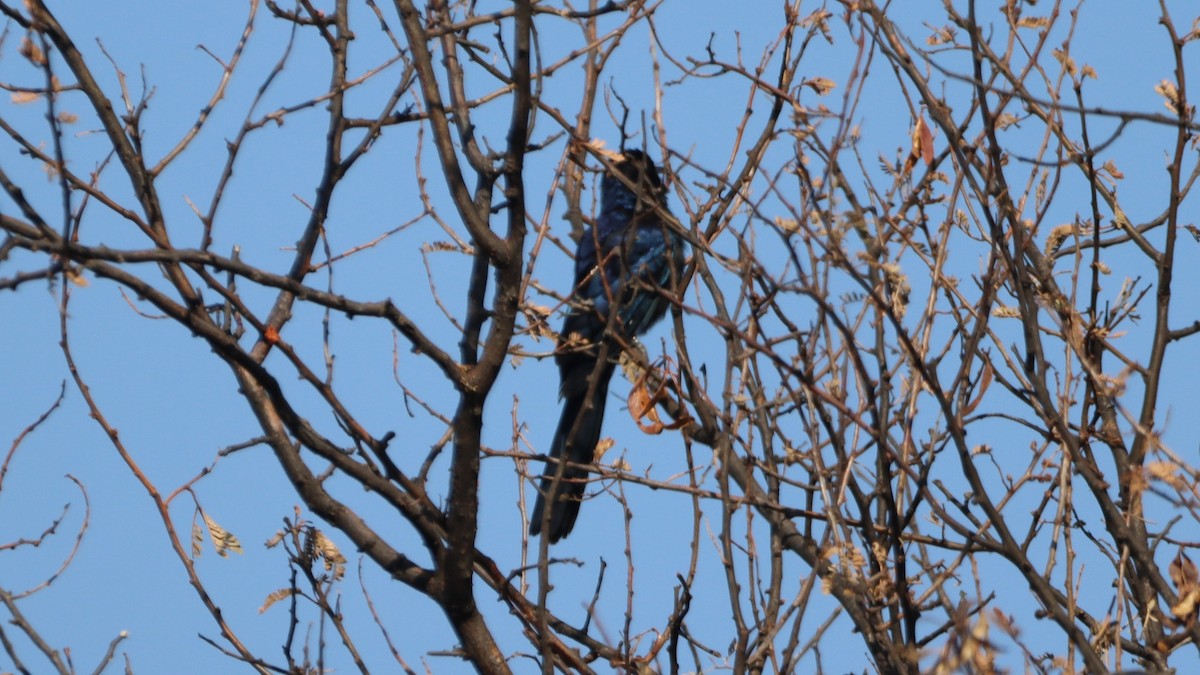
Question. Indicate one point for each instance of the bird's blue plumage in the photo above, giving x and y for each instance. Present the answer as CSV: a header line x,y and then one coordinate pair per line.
x,y
625,267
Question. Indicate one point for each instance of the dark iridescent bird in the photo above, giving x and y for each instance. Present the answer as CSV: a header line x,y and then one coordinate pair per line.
x,y
625,266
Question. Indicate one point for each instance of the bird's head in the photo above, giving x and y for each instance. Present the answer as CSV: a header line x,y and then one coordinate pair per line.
x,y
638,169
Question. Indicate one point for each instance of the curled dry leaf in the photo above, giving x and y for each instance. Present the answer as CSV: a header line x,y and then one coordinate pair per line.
x,y
641,408
75,276
23,97
643,402
30,50
1167,90
1057,236
328,552
596,145
223,541
275,597
1174,102
821,85
440,246
537,316
788,225
1033,22
1168,473
1067,62
603,446
923,141
1005,120
1110,167
985,379
941,36
922,146
275,540
818,20
898,287
1187,581
197,539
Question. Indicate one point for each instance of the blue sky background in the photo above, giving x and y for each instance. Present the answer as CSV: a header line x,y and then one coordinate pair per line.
x,y
176,405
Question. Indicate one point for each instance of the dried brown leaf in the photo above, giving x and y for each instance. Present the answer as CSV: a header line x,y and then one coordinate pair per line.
x,y
597,146
1185,609
23,97
1067,62
30,50
603,446
819,20
923,141
941,36
788,225
821,85
985,379
328,551
1057,236
440,247
197,539
281,594
641,408
1174,103
223,541
1110,167
75,276
1183,572
1166,472
854,557
1005,120
899,286
1195,32
1185,577
537,316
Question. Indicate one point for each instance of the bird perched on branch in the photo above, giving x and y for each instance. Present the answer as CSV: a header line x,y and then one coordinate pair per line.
x,y
625,268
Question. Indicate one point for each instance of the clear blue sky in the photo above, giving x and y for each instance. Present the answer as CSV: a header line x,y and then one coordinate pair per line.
x,y
176,405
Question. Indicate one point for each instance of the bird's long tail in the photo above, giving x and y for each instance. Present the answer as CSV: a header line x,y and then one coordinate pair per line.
x,y
574,440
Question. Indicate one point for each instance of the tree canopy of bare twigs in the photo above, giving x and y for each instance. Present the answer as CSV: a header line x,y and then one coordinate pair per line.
x,y
291,273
